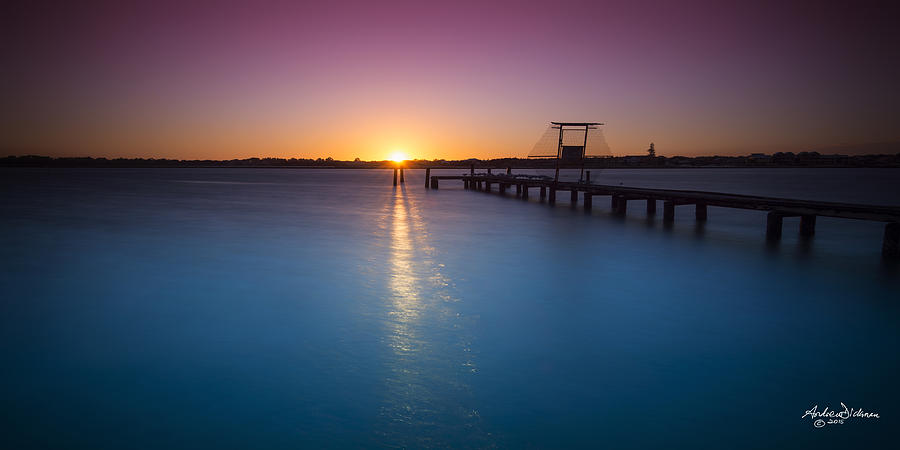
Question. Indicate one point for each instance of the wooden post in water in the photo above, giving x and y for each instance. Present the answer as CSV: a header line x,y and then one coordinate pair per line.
x,y
621,205
774,221
807,225
668,211
434,182
588,198
395,177
509,170
428,175
518,189
472,169
574,197
401,176
489,171
890,247
524,191
700,211
587,178
613,199
487,186
543,192
502,188
552,198
651,206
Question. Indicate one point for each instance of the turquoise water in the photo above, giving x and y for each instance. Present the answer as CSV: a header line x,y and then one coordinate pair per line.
x,y
278,308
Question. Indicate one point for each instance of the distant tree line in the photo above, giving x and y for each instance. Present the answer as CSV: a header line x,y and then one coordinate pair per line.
x,y
780,159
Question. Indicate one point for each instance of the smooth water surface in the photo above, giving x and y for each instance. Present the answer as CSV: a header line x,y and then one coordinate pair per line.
x,y
280,308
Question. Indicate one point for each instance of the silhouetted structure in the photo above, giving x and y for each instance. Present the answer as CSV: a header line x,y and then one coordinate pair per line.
x,y
571,147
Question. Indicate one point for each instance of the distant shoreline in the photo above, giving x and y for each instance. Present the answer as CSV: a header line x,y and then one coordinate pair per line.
x,y
777,160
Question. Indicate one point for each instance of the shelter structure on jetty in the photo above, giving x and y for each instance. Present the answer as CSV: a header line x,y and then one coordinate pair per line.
x,y
570,143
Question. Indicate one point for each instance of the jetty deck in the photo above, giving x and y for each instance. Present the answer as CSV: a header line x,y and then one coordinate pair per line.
x,y
620,196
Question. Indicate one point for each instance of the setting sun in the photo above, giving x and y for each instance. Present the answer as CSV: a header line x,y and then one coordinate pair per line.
x,y
398,156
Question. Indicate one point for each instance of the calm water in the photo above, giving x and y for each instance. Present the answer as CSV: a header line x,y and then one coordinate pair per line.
x,y
273,308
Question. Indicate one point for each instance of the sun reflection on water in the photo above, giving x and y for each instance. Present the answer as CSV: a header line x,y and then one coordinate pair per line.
x,y
427,396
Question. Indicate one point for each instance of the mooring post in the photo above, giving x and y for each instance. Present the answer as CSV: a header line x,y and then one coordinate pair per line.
x,y
524,191
395,177
651,206
588,199
700,211
773,226
434,182
574,197
890,247
807,225
543,192
428,175
587,177
668,211
621,205
401,176
552,198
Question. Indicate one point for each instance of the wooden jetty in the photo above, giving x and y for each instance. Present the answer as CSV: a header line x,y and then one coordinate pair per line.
x,y
778,208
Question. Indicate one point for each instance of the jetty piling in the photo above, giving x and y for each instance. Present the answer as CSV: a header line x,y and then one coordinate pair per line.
x,y
890,247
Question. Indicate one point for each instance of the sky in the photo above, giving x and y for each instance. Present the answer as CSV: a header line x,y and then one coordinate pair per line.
x,y
451,80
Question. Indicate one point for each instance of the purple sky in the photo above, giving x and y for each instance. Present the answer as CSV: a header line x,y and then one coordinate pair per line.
x,y
443,79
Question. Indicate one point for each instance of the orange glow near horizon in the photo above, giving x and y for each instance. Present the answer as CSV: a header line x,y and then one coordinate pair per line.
x,y
399,156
